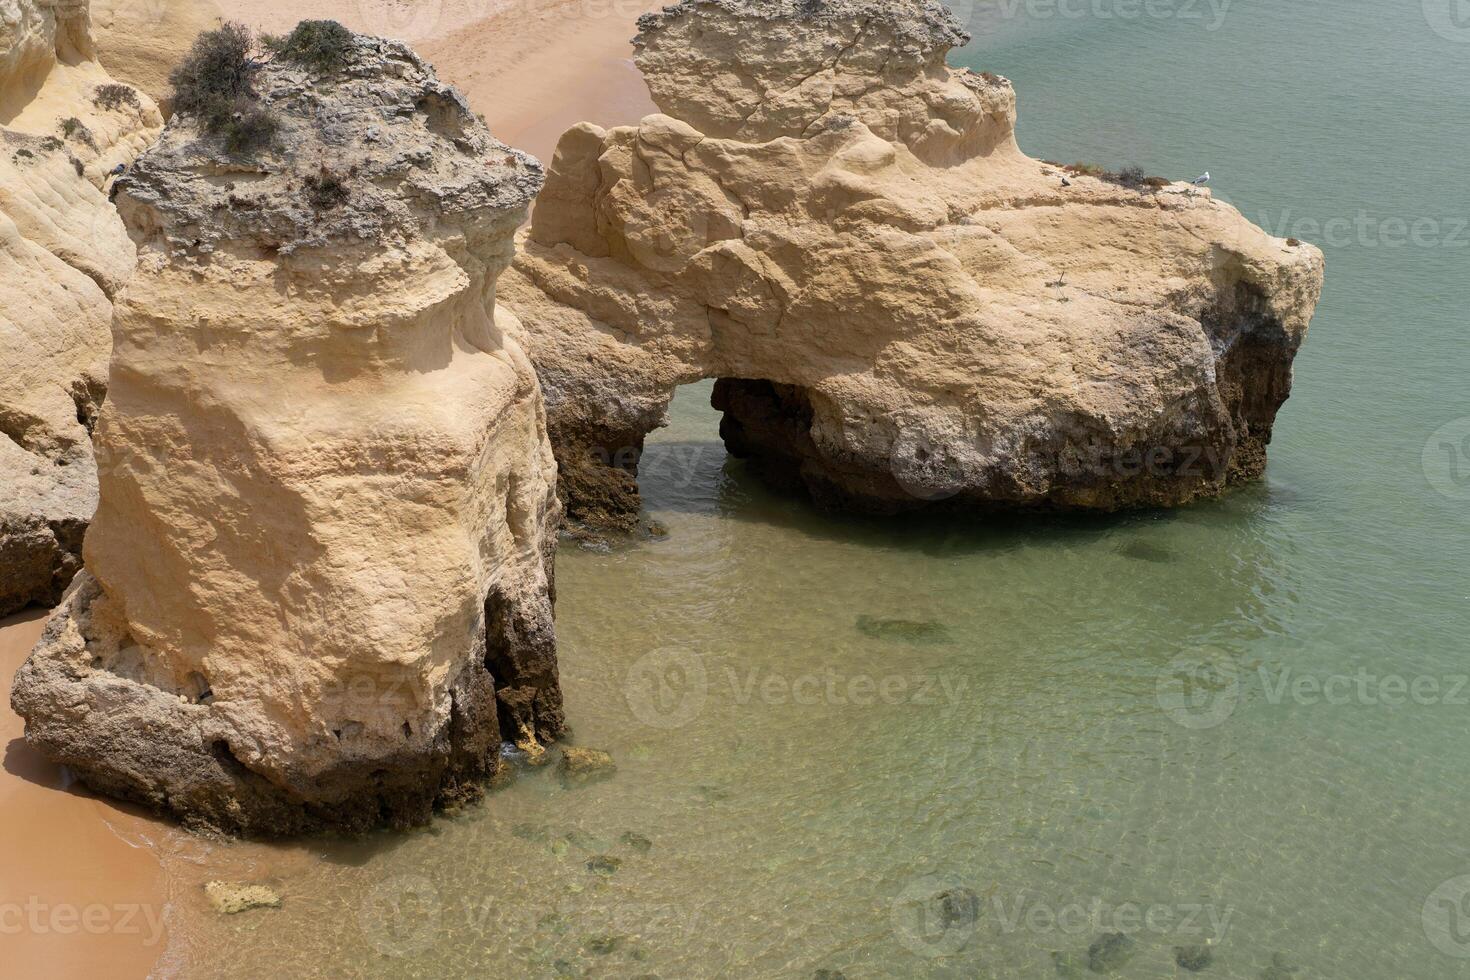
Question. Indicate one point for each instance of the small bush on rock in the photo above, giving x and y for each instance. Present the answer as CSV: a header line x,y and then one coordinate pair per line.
x,y
1132,176
326,190
321,46
1135,178
74,129
249,127
113,96
216,84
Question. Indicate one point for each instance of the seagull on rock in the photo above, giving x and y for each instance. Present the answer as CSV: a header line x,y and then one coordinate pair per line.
x,y
1202,179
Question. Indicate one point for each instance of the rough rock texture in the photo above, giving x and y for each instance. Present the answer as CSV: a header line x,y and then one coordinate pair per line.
x,y
234,897
318,588
63,255
905,310
141,41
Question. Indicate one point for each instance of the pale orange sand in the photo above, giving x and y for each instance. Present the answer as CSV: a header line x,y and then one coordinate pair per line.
x,y
82,893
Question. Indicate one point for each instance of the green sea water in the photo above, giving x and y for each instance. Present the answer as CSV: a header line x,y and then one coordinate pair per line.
x,y
936,749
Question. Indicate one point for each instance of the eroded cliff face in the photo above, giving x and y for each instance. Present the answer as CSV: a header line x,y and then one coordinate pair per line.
x,y
904,310
318,586
141,41
64,254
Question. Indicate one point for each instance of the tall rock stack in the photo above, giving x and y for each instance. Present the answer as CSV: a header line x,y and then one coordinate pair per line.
x,y
318,587
64,254
902,309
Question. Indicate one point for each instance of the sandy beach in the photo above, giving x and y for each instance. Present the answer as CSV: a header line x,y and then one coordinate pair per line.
x,y
88,893
82,891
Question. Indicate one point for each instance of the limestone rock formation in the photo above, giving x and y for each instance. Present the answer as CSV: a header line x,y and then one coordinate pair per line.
x,y
318,586
63,255
903,309
141,41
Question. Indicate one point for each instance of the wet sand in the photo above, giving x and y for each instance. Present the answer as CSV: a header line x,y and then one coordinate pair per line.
x,y
82,892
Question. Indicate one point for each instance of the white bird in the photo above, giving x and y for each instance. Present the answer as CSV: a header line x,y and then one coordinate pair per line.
x,y
1202,179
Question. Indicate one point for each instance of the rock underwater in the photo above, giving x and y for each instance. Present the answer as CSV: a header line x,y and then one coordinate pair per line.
x,y
902,310
318,587
64,254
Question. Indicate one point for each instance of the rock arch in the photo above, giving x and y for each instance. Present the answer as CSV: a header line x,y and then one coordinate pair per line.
x,y
908,311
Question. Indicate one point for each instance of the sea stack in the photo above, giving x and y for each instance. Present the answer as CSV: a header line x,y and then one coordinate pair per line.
x,y
64,254
903,310
318,587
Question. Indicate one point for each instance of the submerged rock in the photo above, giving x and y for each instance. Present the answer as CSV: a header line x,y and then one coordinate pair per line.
x,y
1109,952
713,794
533,832
1143,551
1282,968
902,309
582,766
1194,957
587,842
231,897
318,586
904,630
636,841
604,864
602,945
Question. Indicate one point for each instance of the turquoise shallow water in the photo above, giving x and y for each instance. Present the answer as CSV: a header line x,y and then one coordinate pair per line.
x,y
931,749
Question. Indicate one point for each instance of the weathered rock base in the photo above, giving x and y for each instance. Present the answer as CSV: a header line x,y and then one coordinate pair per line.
x,y
597,474
93,707
769,426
